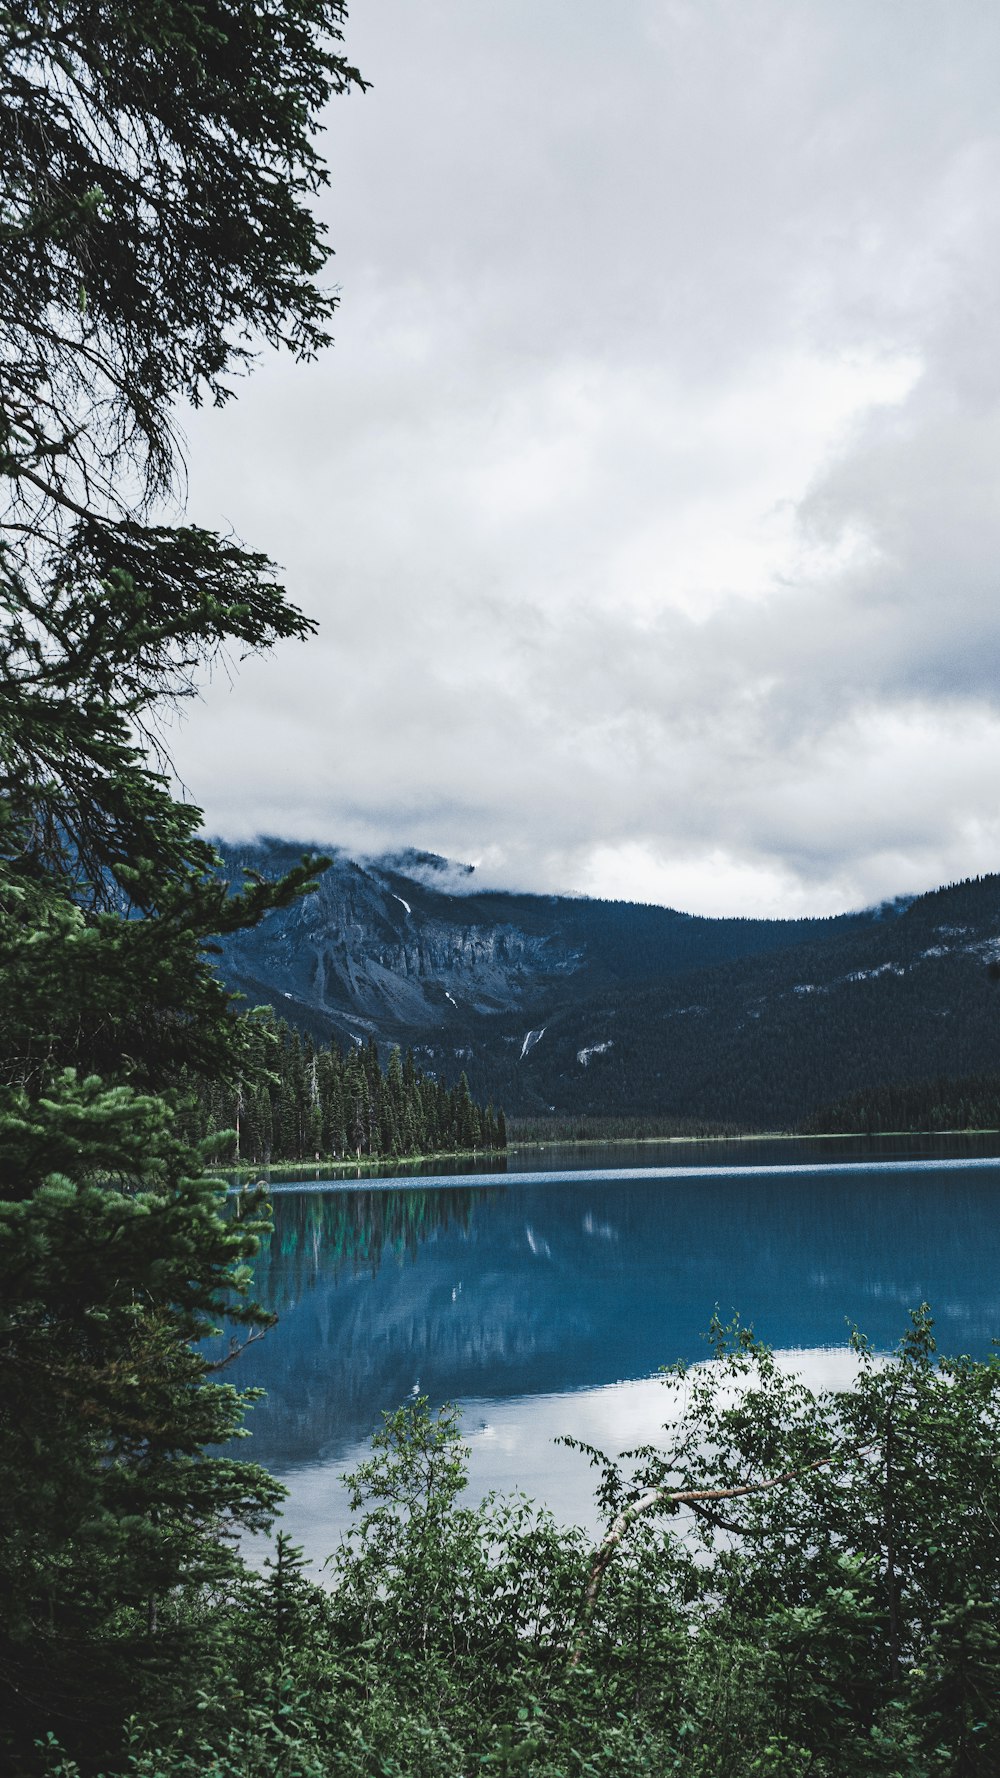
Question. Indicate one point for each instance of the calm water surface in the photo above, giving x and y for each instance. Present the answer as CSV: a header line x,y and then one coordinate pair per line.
x,y
544,1301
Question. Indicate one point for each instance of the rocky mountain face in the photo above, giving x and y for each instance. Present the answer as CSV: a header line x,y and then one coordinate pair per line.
x,y
578,1006
377,951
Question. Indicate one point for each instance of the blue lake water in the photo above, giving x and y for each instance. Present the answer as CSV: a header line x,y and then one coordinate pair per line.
x,y
544,1301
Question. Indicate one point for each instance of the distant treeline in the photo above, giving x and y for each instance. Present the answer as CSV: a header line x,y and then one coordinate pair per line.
x,y
591,1128
969,1103
298,1100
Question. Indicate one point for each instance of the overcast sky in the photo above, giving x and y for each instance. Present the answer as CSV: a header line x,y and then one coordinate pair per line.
x,y
649,501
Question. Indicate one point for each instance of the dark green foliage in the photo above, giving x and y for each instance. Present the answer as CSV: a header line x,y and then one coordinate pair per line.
x,y
156,163
770,1040
630,1128
115,1260
294,1102
970,1103
843,1623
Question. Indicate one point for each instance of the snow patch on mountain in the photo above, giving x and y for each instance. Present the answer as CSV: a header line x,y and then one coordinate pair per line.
x,y
596,1049
869,975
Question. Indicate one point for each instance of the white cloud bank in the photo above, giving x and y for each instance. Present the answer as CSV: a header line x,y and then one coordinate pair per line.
x,y
649,503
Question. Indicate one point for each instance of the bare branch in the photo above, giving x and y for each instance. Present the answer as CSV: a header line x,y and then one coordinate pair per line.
x,y
235,1348
676,1497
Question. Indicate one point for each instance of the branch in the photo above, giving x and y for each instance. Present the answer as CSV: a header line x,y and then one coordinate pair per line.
x,y
673,1497
236,1347
718,1523
55,494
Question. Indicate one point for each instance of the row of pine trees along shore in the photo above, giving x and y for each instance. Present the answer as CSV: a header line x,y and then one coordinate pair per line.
x,y
296,1101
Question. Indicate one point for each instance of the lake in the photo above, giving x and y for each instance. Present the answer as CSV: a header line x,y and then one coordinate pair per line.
x,y
544,1297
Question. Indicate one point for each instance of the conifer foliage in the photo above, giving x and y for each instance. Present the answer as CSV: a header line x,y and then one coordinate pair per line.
x,y
299,1102
156,162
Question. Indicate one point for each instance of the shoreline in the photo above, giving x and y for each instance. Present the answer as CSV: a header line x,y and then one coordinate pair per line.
x,y
367,1163
402,1166
747,1136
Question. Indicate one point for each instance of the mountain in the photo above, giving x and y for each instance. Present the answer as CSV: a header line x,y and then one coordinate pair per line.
x,y
576,1006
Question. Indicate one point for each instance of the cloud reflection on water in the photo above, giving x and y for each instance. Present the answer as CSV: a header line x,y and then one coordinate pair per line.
x,y
509,1297
513,1447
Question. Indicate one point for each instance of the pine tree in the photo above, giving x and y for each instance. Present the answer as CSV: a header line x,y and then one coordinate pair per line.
x,y
295,1101
464,1116
335,1132
148,239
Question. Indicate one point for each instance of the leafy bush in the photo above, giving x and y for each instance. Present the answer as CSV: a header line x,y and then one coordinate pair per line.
x,y
791,1584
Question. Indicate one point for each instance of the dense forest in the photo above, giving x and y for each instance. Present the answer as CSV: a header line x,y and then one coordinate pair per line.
x,y
769,1041
945,1102
296,1100
613,1128
971,1102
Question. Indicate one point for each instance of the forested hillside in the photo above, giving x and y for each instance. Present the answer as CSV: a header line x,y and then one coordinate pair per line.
x,y
767,1041
566,1007
945,1102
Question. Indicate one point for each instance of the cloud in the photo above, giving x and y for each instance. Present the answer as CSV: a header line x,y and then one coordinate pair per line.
x,y
647,503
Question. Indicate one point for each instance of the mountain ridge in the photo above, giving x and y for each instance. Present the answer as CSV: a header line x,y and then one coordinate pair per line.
x,y
573,1005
